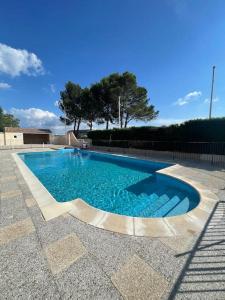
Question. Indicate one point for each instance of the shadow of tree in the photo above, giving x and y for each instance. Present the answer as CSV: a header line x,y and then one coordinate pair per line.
x,y
203,276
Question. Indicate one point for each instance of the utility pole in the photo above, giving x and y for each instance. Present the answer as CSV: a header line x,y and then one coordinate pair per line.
x,y
119,111
211,98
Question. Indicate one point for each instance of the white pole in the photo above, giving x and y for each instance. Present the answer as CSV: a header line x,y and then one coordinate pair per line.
x,y
65,130
119,111
211,98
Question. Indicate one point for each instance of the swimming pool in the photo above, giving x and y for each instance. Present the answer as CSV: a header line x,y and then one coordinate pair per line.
x,y
113,183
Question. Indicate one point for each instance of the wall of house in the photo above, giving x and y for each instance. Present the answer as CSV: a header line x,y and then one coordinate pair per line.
x,y
2,139
13,138
58,140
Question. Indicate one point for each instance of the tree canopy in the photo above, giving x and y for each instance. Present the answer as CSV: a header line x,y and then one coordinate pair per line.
x,y
100,102
7,120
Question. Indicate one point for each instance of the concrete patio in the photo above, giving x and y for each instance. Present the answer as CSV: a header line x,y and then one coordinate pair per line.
x,y
65,258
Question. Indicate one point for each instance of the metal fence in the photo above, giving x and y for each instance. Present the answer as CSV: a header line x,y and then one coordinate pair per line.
x,y
203,151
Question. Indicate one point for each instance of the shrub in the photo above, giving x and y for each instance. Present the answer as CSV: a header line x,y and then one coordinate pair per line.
x,y
200,130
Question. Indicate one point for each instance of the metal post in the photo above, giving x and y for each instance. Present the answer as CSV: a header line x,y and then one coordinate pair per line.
x,y
119,111
211,98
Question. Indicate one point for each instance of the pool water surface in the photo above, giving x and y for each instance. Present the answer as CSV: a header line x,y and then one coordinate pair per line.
x,y
112,183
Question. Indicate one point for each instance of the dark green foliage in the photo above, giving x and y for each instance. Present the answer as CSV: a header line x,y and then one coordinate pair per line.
x,y
100,102
7,120
201,130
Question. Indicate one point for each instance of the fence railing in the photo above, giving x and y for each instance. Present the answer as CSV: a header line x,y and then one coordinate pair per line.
x,y
205,151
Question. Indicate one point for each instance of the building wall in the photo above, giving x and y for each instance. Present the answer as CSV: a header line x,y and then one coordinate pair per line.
x,y
58,140
2,139
13,138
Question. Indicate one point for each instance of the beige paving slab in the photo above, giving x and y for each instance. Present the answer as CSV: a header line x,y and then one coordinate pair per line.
x,y
184,225
16,230
63,253
30,202
153,227
87,213
56,209
117,223
10,194
199,215
7,179
178,244
137,280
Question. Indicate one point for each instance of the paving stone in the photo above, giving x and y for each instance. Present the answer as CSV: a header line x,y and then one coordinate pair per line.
x,y
8,179
137,280
30,202
24,271
10,194
110,250
159,256
15,231
179,244
62,253
85,280
13,211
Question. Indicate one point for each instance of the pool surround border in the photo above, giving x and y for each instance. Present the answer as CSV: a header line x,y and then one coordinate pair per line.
x,y
187,224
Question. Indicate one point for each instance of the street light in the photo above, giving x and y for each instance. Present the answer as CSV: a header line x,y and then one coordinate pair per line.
x,y
211,98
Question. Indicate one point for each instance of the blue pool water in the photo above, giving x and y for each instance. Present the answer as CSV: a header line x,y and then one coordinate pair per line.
x,y
113,183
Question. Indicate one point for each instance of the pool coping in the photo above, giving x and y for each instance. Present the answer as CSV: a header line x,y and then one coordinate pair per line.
x,y
187,224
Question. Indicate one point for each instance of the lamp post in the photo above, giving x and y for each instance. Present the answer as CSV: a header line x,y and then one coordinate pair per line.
x,y
211,97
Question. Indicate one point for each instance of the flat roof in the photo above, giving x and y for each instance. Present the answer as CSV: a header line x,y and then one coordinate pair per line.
x,y
27,130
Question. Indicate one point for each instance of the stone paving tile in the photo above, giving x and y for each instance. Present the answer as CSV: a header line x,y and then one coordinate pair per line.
x,y
30,202
10,194
24,271
8,179
15,231
62,253
13,210
159,256
85,280
9,187
137,280
179,244
109,249
52,230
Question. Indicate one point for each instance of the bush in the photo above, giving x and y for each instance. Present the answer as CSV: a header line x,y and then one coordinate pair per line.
x,y
200,130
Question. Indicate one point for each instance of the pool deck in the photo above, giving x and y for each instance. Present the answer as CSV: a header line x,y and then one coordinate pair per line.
x,y
65,258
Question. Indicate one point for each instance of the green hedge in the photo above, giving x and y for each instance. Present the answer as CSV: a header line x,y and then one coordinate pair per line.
x,y
200,130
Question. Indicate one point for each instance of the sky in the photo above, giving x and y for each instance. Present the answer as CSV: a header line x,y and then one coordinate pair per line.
x,y
170,45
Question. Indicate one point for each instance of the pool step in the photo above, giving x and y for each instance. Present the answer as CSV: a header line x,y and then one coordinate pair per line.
x,y
171,206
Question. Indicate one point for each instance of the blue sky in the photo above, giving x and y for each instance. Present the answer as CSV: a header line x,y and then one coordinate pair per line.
x,y
171,46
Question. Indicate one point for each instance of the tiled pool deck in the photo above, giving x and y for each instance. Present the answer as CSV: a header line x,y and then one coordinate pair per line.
x,y
64,258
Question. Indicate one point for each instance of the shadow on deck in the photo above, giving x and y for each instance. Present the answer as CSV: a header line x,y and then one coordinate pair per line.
x,y
203,276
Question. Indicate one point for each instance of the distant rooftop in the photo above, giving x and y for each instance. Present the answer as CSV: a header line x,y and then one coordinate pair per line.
x,y
27,130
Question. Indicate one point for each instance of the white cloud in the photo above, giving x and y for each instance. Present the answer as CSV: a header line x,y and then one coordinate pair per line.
x,y
4,86
188,98
216,99
52,88
56,103
38,118
15,62
166,121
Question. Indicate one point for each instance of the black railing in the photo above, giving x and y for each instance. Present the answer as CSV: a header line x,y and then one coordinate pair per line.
x,y
206,151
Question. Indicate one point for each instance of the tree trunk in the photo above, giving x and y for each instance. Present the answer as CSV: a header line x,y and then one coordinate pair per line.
x,y
126,121
107,124
74,126
78,127
91,124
